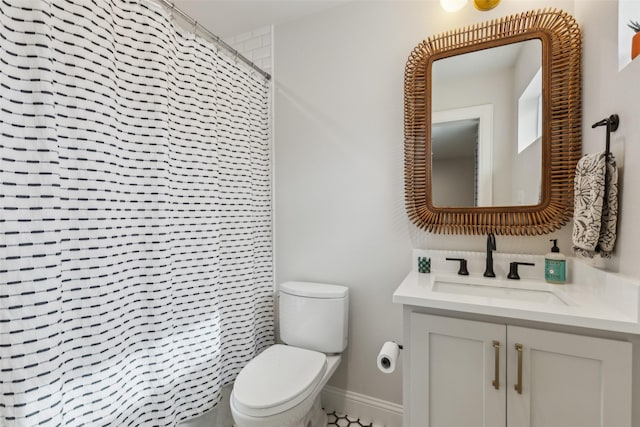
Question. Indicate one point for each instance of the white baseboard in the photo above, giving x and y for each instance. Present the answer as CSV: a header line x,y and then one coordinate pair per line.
x,y
378,411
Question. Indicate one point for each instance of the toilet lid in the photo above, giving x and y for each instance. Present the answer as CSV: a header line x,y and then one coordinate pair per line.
x,y
277,379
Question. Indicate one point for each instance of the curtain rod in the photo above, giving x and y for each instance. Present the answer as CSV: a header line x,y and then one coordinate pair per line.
x,y
215,38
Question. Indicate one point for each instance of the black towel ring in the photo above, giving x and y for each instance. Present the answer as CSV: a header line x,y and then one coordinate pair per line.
x,y
612,123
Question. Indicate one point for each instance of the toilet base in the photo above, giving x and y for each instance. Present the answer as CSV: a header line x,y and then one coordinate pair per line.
x,y
304,415
316,417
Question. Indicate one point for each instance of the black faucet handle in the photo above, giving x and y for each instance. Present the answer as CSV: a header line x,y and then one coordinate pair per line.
x,y
462,271
513,269
491,242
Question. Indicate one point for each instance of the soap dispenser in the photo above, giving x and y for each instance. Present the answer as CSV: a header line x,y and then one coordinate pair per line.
x,y
555,265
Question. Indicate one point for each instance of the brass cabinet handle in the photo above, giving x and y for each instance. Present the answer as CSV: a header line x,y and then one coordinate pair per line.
x,y
496,381
518,386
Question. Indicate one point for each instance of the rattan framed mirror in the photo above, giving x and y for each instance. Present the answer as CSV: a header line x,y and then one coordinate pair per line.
x,y
560,137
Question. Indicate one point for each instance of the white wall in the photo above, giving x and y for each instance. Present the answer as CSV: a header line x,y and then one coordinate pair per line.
x,y
607,91
340,213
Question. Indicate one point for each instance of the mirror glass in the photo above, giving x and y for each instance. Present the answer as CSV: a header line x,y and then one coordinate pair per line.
x,y
487,123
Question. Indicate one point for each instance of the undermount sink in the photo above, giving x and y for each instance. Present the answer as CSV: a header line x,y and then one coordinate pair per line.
x,y
515,290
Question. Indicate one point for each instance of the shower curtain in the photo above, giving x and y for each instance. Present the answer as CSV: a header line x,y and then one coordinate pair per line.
x,y
135,217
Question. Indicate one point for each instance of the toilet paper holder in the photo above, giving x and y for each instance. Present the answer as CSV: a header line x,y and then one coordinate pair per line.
x,y
385,362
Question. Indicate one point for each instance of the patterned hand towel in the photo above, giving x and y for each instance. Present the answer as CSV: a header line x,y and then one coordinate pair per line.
x,y
595,219
607,239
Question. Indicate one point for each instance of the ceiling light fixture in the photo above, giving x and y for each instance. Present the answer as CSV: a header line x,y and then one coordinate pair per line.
x,y
453,5
484,5
456,5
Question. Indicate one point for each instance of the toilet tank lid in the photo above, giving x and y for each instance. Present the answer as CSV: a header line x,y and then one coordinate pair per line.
x,y
314,290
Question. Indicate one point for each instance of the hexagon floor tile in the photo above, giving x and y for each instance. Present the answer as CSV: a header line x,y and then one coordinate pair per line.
x,y
340,420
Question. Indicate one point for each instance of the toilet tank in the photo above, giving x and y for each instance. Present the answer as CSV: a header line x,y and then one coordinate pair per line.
x,y
314,316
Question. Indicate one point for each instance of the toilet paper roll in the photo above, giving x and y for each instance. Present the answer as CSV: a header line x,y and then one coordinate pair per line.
x,y
388,357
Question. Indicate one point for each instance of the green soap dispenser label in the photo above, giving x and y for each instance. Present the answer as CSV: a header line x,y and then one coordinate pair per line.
x,y
555,270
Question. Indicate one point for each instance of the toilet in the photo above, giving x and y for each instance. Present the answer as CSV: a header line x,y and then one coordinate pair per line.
x,y
281,386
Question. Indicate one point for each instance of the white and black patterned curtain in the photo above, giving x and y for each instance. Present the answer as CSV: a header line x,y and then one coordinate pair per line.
x,y
135,220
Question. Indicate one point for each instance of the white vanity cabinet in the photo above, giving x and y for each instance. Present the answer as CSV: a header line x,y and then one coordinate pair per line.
x,y
468,373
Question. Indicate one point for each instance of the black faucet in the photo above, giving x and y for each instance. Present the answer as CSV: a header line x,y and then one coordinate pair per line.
x,y
491,246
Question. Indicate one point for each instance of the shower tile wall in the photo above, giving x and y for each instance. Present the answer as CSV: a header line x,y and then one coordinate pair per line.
x,y
255,45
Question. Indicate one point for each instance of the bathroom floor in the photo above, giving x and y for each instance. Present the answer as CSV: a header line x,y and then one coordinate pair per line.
x,y
340,420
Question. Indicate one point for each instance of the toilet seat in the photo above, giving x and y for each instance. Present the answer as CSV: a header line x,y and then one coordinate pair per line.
x,y
277,379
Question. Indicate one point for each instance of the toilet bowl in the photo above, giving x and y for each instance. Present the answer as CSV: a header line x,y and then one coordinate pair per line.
x,y
281,387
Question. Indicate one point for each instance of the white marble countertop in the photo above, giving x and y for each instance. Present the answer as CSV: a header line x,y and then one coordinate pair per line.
x,y
594,299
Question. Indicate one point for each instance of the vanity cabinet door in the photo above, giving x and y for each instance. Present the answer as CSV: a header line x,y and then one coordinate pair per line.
x,y
567,380
454,366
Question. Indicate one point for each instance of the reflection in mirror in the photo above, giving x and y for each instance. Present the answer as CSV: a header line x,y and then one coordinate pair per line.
x,y
489,158
455,156
462,146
